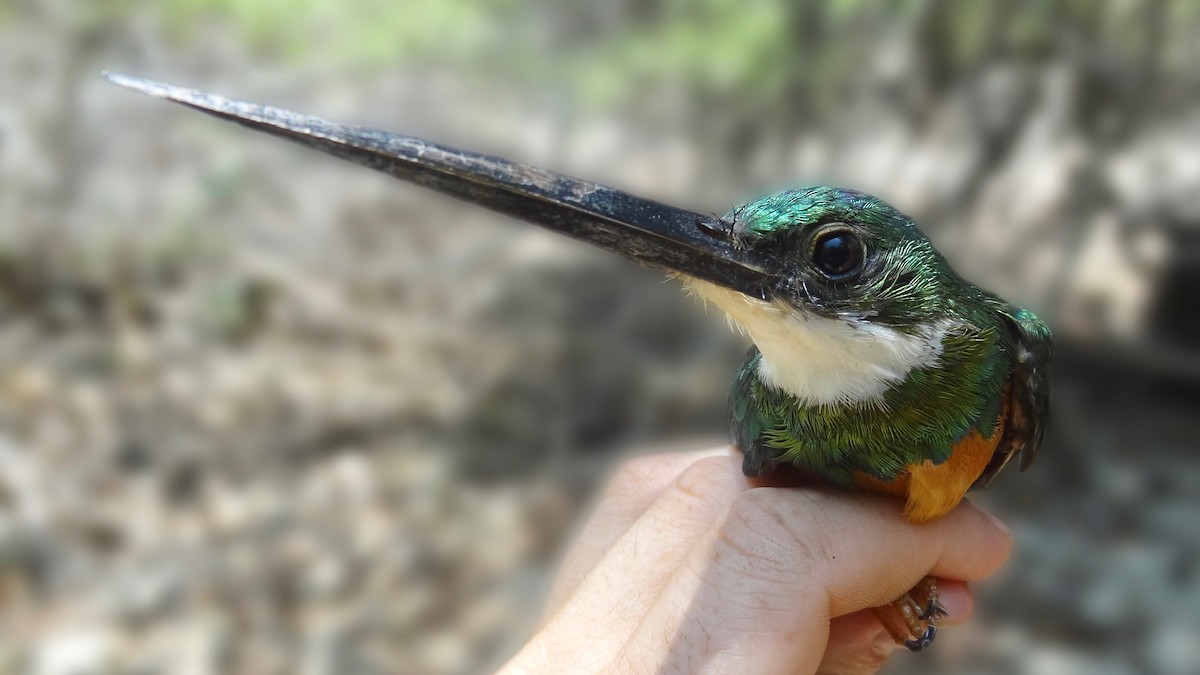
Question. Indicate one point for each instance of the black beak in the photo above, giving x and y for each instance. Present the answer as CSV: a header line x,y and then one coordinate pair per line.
x,y
694,244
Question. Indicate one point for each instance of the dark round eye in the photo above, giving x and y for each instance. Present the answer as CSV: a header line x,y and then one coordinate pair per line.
x,y
838,253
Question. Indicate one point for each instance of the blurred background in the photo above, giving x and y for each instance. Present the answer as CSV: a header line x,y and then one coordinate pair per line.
x,y
265,412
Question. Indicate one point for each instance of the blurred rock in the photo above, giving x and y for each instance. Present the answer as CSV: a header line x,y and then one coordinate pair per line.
x,y
75,652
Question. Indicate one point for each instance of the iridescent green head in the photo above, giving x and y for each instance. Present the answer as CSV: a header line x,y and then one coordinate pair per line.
x,y
845,254
859,296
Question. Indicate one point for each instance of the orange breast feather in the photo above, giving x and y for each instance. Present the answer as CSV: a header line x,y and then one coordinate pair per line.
x,y
932,489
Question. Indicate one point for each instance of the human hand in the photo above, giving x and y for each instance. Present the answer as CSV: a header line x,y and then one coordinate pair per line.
x,y
687,566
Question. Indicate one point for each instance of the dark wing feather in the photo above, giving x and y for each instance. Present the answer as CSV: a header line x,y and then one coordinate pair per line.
x,y
1028,407
745,420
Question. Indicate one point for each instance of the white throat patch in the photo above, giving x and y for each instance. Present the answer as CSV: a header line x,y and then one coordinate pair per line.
x,y
826,361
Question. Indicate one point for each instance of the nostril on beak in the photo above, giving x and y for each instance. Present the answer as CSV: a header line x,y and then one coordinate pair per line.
x,y
716,228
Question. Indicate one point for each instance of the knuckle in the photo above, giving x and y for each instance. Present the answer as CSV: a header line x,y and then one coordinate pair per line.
x,y
753,509
874,657
870,657
750,540
703,480
701,490
702,477
799,519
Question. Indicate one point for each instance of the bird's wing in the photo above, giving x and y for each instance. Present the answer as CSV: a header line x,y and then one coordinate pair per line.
x,y
1028,407
745,422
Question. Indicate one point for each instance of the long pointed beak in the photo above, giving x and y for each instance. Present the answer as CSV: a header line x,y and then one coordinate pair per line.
x,y
690,243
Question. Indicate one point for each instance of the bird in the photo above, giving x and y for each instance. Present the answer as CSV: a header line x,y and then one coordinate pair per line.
x,y
875,366
878,367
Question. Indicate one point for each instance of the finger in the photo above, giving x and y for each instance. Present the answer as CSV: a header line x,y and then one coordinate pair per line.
x,y
758,592
598,618
858,643
861,546
635,485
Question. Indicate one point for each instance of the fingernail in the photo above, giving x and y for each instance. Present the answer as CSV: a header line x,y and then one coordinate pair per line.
x,y
999,524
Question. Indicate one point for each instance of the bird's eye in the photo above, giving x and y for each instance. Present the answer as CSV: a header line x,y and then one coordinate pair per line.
x,y
838,253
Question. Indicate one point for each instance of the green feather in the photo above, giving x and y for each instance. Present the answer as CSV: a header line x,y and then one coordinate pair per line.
x,y
910,288
919,419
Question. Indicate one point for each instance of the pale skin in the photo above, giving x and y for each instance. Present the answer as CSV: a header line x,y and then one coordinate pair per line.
x,y
686,566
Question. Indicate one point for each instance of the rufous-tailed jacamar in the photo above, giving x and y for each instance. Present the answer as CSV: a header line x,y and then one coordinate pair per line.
x,y
875,366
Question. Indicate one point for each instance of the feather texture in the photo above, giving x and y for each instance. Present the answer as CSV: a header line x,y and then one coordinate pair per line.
x,y
878,380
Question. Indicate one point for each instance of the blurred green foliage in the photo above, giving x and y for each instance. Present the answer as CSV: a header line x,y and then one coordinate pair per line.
x,y
612,52
368,33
